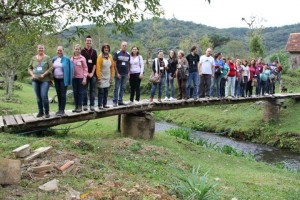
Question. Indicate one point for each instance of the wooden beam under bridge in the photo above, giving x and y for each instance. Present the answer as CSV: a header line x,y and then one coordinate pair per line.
x,y
30,122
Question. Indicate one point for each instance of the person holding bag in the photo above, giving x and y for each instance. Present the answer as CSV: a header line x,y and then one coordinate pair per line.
x,y
158,69
182,75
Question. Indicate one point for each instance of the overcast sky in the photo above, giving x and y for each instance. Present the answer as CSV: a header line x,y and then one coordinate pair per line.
x,y
228,13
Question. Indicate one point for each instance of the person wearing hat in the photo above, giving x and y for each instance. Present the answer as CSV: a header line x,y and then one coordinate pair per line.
x,y
105,70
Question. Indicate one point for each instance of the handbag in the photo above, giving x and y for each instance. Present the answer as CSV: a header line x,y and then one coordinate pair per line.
x,y
155,79
219,71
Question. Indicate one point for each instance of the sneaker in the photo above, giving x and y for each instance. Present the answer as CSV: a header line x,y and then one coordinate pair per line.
x,y
85,108
47,115
166,99
106,106
130,103
40,115
78,110
74,110
136,102
100,107
172,99
115,105
195,98
92,109
58,113
122,104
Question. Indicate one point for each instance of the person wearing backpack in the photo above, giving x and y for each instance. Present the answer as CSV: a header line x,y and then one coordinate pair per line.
x,y
136,70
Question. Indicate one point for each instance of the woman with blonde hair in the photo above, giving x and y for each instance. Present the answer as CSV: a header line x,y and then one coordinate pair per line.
x,y
79,77
40,68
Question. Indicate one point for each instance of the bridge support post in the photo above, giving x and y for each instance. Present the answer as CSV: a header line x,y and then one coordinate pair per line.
x,y
272,109
138,125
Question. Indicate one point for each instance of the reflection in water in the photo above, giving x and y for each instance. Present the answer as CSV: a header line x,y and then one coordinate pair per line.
x,y
262,152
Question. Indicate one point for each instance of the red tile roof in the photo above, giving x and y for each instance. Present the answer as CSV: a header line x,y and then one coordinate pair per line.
x,y
293,44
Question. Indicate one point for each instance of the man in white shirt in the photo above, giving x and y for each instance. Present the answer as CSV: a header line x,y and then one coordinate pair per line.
x,y
206,72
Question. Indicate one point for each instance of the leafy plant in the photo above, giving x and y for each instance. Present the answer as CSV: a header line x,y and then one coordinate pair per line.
x,y
180,133
195,186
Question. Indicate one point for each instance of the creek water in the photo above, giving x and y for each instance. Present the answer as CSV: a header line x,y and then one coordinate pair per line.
x,y
261,152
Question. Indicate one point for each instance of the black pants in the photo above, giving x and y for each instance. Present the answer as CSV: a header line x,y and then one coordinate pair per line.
x,y
61,91
102,96
249,89
204,87
222,87
135,83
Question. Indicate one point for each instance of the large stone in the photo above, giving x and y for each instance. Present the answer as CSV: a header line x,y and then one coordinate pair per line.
x,y
10,171
272,110
139,125
50,186
22,151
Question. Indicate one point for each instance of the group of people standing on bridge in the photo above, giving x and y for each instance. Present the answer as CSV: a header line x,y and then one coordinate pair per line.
x,y
85,71
212,76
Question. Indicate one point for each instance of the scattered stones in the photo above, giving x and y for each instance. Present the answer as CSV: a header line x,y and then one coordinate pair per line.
x,y
22,151
36,153
50,186
72,194
42,168
10,171
66,165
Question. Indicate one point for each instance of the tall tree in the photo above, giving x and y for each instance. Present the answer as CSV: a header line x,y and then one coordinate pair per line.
x,y
205,43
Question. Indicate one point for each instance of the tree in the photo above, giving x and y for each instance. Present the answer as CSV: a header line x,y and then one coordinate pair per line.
x,y
235,48
256,46
122,13
205,43
218,40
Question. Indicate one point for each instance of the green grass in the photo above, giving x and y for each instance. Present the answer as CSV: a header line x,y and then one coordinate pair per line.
x,y
112,166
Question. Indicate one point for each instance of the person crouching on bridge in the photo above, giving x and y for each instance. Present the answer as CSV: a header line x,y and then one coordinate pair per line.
x,y
159,69
40,68
79,77
105,70
63,75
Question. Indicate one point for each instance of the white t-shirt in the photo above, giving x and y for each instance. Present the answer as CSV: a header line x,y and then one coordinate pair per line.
x,y
206,64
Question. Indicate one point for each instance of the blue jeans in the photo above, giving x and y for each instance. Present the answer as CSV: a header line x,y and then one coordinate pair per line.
x,y
77,91
61,91
215,81
160,87
238,91
257,89
171,82
119,88
41,89
263,87
90,86
195,78
102,96
244,86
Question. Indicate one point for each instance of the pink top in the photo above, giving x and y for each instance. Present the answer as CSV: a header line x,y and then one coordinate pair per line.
x,y
252,71
80,67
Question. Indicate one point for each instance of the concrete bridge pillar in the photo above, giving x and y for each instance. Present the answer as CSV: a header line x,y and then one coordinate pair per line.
x,y
138,125
272,109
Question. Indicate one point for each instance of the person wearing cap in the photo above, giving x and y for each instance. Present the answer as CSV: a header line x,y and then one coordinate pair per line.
x,y
105,70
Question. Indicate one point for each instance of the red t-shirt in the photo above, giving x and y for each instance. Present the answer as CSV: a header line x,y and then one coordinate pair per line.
x,y
232,69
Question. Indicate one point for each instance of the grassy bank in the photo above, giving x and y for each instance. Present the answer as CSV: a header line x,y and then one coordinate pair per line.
x,y
109,166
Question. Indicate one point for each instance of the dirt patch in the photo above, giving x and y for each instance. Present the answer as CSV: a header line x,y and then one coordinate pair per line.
x,y
123,143
151,148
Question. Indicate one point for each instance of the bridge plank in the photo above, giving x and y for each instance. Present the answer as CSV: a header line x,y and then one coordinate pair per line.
x,y
28,118
10,120
19,119
1,122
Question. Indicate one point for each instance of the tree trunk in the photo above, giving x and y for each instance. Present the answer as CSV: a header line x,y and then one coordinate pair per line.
x,y
9,84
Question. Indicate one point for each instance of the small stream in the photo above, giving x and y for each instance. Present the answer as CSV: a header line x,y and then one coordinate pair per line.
x,y
261,152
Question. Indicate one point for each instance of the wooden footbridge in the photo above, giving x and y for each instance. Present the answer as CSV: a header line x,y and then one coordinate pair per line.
x,y
21,122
